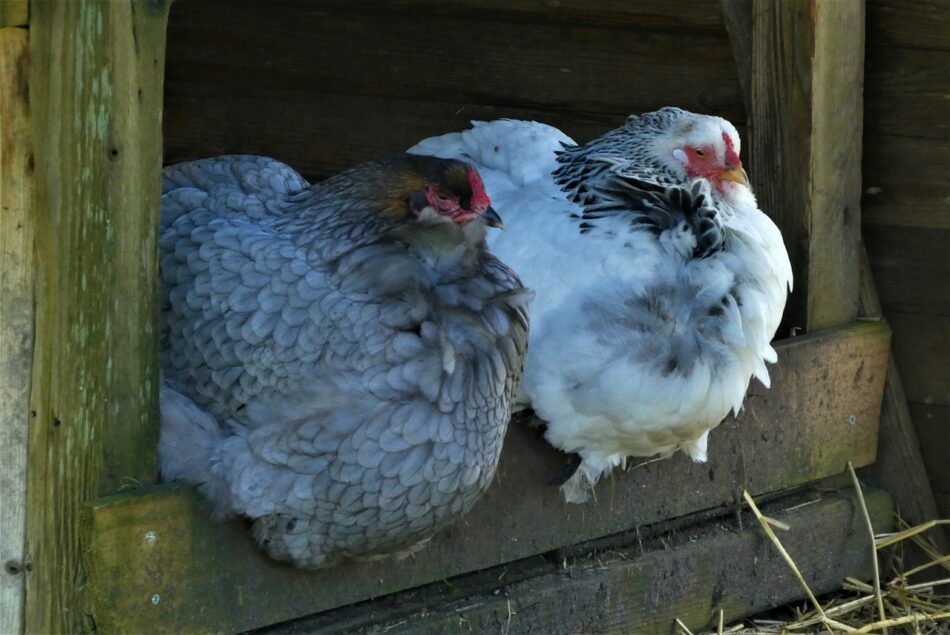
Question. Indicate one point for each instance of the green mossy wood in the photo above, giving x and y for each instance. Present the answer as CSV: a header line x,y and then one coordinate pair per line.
x,y
95,84
157,563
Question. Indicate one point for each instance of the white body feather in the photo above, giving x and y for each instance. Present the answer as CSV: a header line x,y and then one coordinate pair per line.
x,y
616,307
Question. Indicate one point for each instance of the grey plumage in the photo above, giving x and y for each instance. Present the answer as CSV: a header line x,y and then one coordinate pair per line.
x,y
335,368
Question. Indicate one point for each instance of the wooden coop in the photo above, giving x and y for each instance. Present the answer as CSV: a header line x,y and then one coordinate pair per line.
x,y
96,95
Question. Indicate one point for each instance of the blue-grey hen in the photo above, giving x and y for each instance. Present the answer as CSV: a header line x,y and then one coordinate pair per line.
x,y
338,359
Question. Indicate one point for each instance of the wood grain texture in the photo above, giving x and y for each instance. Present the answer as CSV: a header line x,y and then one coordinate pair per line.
x,y
16,319
905,182
906,92
320,134
95,88
823,410
806,119
645,13
911,268
574,67
909,23
901,468
933,425
921,343
328,100
14,12
636,588
737,16
906,204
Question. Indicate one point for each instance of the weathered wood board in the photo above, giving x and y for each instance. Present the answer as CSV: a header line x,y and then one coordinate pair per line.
x,y
806,119
917,24
16,319
323,86
905,203
95,83
900,467
921,346
905,92
654,14
156,563
638,587
911,268
905,183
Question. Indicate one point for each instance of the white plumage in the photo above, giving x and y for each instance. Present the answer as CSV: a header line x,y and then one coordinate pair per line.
x,y
658,282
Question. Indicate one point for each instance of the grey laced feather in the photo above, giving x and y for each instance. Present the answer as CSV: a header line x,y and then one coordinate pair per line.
x,y
341,378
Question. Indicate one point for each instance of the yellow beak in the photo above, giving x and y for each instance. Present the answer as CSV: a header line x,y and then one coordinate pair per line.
x,y
735,175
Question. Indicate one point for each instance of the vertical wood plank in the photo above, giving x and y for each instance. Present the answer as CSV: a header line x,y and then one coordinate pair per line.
x,y
95,85
899,467
807,72
834,232
16,319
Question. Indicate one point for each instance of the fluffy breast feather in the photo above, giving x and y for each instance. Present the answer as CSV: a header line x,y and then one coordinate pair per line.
x,y
636,347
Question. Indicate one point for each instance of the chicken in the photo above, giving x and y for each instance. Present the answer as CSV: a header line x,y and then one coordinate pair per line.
x,y
658,282
338,359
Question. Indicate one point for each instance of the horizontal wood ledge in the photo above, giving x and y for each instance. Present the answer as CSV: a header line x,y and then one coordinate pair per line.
x,y
640,586
156,563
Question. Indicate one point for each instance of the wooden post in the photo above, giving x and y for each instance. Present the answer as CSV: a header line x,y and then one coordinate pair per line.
x,y
16,319
96,71
804,65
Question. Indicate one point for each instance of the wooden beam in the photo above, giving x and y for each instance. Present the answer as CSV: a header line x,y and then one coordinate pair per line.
x,y
96,96
14,12
16,319
638,587
156,562
899,467
805,75
328,101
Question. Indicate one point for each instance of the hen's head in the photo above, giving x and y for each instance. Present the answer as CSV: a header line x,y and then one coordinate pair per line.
x,y
429,188
691,146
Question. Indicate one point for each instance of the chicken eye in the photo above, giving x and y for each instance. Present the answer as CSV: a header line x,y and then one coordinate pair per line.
x,y
700,153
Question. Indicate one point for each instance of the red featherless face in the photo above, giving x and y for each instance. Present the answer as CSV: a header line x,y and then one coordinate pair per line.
x,y
455,190
705,162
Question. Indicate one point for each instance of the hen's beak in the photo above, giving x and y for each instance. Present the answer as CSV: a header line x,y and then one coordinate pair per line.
x,y
492,219
735,175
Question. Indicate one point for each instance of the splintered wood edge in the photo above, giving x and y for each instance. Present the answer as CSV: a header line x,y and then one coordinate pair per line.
x,y
156,561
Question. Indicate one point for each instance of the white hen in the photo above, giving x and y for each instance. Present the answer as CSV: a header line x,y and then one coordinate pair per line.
x,y
658,282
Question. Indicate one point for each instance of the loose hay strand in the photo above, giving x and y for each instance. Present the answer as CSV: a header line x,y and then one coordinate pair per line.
x,y
905,607
889,539
788,558
905,619
867,521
